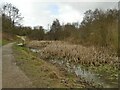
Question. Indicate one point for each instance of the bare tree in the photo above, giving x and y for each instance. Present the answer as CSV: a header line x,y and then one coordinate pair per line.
x,y
12,12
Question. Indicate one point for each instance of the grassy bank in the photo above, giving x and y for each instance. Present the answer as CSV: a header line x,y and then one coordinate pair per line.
x,y
7,38
44,74
4,42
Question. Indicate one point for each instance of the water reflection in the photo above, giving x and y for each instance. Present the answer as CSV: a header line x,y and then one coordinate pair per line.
x,y
81,72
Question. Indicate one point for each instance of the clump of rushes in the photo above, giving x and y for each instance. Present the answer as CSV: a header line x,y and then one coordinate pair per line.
x,y
87,56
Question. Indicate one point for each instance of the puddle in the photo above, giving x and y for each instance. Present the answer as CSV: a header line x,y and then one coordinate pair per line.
x,y
88,76
98,79
34,50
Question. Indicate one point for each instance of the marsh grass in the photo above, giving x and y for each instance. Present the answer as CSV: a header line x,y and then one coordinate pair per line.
x,y
100,60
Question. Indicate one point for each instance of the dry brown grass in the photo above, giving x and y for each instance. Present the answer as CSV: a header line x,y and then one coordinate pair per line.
x,y
75,53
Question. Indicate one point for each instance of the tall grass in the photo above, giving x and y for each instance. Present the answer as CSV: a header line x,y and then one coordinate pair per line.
x,y
87,56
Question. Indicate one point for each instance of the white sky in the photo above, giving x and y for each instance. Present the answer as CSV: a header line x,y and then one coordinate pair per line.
x,y
43,12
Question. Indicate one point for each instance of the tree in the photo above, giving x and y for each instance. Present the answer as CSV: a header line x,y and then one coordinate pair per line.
x,y
12,12
6,24
37,33
55,31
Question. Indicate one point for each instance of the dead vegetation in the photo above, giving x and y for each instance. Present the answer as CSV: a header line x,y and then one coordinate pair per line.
x,y
44,74
100,60
87,56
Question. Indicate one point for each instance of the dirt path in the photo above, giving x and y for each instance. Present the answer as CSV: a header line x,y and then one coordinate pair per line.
x,y
0,67
12,76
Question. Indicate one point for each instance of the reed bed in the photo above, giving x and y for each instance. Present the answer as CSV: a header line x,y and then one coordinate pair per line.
x,y
77,54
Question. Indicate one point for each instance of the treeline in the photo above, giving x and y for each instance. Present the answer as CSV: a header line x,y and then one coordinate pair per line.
x,y
98,28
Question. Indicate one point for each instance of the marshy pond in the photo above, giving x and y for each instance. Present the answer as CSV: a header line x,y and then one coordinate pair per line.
x,y
98,79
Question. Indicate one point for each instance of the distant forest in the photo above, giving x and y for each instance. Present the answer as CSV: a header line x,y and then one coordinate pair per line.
x,y
99,28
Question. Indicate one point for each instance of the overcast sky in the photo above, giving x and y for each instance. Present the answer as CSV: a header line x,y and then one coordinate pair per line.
x,y
43,12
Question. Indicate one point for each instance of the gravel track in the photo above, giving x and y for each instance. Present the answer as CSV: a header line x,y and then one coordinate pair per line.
x,y
12,76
